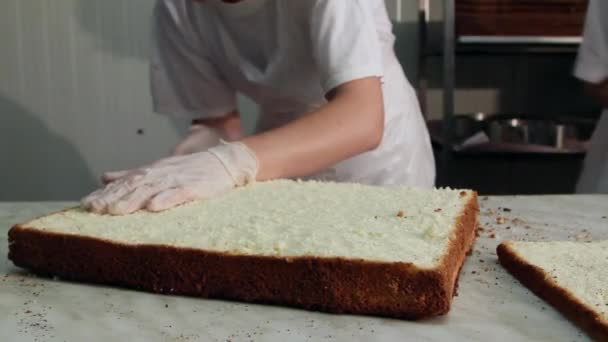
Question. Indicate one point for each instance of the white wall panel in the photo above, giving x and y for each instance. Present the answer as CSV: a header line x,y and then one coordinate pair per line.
x,y
73,94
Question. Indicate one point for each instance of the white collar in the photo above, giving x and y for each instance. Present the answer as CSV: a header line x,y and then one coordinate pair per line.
x,y
241,9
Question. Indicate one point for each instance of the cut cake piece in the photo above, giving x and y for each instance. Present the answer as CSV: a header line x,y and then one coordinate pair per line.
x,y
341,248
571,276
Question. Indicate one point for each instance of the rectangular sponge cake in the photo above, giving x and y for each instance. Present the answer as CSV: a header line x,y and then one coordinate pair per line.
x,y
341,248
571,276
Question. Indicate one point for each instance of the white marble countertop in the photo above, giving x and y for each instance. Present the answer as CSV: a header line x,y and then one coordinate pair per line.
x,y
490,306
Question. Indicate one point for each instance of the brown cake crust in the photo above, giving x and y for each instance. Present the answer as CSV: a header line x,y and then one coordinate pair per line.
x,y
543,285
400,290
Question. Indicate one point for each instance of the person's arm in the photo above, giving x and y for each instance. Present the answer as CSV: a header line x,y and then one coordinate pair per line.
x,y
599,91
227,126
205,133
352,122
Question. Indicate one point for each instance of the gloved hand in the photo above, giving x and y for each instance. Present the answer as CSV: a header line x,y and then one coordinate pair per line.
x,y
176,180
199,139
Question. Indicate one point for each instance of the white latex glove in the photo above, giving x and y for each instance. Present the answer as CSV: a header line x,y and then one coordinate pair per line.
x,y
200,138
176,180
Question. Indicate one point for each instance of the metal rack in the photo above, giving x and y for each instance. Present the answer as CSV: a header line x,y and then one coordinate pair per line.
x,y
453,45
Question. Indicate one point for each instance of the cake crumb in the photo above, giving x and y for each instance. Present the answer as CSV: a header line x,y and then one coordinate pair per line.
x,y
500,220
437,210
493,236
463,193
401,213
507,210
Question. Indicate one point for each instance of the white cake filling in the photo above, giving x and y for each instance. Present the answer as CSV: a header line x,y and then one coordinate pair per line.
x,y
579,267
290,219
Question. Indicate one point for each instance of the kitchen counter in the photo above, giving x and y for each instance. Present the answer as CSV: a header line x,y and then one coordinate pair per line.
x,y
490,304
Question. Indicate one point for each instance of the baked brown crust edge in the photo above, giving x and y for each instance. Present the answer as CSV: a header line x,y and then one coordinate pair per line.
x,y
541,283
336,285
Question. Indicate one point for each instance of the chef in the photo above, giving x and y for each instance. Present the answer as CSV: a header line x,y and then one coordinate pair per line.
x,y
335,103
592,68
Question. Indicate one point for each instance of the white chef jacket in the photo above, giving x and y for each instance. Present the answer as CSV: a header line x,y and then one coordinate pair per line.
x,y
286,55
592,66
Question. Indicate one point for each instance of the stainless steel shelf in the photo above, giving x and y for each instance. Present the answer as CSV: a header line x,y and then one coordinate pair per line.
x,y
504,49
506,40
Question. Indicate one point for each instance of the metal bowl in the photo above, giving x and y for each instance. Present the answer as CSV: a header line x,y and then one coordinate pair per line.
x,y
528,131
466,125
558,131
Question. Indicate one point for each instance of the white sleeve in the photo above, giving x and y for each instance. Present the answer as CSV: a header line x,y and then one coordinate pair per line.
x,y
184,81
345,42
592,60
